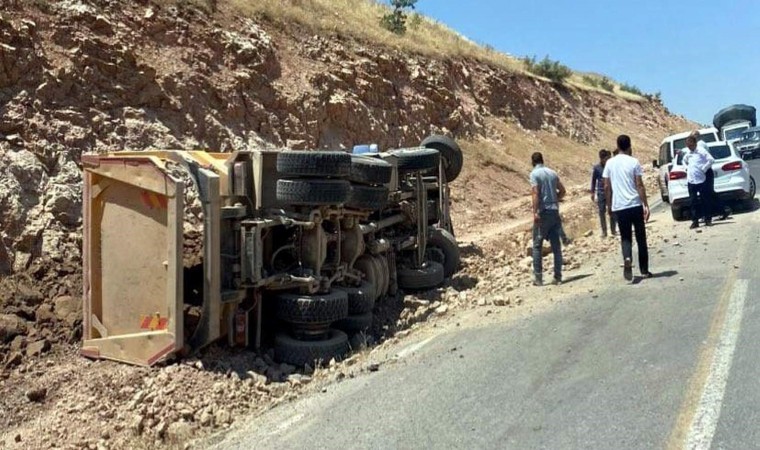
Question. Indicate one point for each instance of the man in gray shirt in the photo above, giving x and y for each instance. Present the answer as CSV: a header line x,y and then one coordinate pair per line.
x,y
546,192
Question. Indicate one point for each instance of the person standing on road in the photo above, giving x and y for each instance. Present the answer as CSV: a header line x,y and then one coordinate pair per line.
x,y
597,192
546,192
627,199
718,208
698,161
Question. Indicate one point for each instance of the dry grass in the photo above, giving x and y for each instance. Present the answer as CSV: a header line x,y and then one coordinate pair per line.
x,y
361,19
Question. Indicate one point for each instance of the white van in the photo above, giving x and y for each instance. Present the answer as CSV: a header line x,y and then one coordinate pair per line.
x,y
669,147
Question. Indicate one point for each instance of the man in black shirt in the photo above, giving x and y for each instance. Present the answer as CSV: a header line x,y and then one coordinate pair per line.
x,y
597,193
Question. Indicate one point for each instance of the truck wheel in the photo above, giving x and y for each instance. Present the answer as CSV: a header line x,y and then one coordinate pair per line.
x,y
355,324
370,170
366,265
298,353
450,152
445,248
302,163
369,198
414,159
360,299
312,309
313,192
385,274
430,275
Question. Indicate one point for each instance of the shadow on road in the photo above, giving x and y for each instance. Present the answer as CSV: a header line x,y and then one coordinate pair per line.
x,y
664,274
575,278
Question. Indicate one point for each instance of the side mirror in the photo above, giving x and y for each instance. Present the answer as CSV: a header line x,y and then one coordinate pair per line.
x,y
655,164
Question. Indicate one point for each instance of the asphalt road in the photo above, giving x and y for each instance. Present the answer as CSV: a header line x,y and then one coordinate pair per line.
x,y
669,362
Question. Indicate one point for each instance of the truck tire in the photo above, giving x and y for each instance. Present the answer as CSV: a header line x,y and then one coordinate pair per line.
x,y
367,198
298,353
366,265
416,159
735,113
312,309
446,245
450,153
313,192
430,275
355,324
360,299
370,170
304,163
385,275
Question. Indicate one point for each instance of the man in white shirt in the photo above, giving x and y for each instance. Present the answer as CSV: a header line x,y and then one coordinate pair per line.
x,y
698,161
627,199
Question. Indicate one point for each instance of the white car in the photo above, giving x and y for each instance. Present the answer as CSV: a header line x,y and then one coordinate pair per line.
x,y
733,181
668,148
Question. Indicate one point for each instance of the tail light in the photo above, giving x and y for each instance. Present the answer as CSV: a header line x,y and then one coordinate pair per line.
x,y
677,175
736,165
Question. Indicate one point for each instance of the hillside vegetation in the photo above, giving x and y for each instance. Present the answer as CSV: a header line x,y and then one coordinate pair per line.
x,y
361,19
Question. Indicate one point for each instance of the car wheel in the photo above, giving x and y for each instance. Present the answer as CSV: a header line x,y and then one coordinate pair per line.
x,y
752,187
677,214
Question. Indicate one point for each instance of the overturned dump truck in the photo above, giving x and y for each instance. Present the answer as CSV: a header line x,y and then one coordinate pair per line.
x,y
289,250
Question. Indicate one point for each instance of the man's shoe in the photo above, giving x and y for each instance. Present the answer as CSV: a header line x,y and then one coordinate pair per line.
x,y
557,281
708,223
647,274
567,241
628,270
694,225
537,282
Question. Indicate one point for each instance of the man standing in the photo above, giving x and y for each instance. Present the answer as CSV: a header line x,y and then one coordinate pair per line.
x,y
597,189
546,192
627,199
719,209
698,161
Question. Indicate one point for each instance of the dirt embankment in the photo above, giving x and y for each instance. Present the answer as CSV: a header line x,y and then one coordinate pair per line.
x,y
92,76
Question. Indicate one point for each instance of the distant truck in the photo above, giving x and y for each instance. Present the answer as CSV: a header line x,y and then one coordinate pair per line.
x,y
733,120
749,144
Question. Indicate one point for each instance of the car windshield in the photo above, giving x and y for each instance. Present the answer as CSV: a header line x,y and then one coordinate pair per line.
x,y
678,144
734,134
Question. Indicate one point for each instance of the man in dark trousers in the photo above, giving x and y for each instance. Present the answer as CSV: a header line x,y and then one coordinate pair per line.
x,y
597,192
698,162
546,192
627,199
719,209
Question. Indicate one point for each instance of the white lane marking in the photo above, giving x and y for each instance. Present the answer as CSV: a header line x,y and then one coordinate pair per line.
x,y
404,352
706,418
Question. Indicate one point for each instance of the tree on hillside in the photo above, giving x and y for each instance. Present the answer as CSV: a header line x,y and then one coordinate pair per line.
x,y
395,21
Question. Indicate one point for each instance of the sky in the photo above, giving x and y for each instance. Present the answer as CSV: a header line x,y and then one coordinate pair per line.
x,y
702,56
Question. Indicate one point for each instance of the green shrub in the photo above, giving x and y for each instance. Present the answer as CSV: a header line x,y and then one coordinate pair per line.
x,y
395,21
606,84
590,81
631,88
553,70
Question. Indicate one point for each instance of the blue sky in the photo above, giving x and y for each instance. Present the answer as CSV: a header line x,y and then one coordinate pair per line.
x,y
702,56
